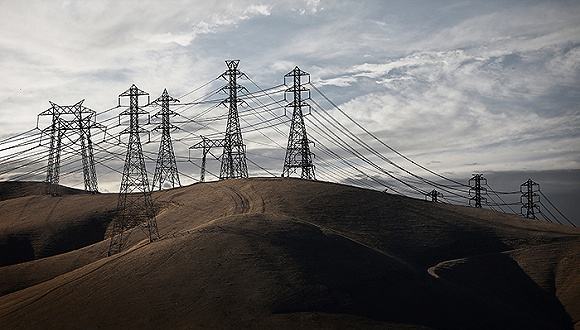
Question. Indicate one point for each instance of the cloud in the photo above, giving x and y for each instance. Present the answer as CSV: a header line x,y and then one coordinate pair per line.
x,y
517,28
211,25
492,102
255,10
338,81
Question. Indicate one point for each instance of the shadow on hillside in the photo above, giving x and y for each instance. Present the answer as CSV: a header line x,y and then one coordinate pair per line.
x,y
340,276
493,291
15,249
19,248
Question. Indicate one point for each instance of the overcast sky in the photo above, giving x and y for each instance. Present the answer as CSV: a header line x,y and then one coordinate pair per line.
x,y
461,86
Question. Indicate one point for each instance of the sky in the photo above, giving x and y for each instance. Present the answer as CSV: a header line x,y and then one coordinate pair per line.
x,y
459,86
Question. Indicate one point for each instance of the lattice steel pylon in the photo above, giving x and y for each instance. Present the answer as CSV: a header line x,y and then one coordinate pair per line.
x,y
68,121
298,155
234,152
85,121
530,199
53,166
476,190
166,167
434,195
205,145
135,205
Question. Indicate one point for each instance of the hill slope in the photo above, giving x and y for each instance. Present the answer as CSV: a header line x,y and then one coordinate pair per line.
x,y
284,253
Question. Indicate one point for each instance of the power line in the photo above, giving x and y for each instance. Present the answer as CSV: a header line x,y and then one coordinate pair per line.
x,y
381,142
557,210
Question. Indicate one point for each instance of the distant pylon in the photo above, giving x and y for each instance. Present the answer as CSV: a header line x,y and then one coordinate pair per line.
x,y
476,190
74,121
530,199
53,167
206,145
298,155
434,195
86,121
135,205
166,168
234,153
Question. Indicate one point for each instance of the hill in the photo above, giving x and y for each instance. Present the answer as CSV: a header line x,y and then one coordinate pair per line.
x,y
284,253
15,189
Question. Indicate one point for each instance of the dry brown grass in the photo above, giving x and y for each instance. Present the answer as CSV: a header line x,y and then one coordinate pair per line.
x,y
283,253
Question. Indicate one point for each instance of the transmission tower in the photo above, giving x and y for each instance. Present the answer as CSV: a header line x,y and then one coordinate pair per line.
x,y
135,205
166,168
70,121
476,190
434,195
85,121
298,155
234,153
530,199
206,145
53,167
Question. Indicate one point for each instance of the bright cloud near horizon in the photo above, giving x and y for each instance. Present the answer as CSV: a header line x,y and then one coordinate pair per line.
x,y
460,86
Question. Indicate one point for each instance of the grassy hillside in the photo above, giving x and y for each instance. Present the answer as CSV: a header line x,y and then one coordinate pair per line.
x,y
284,253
